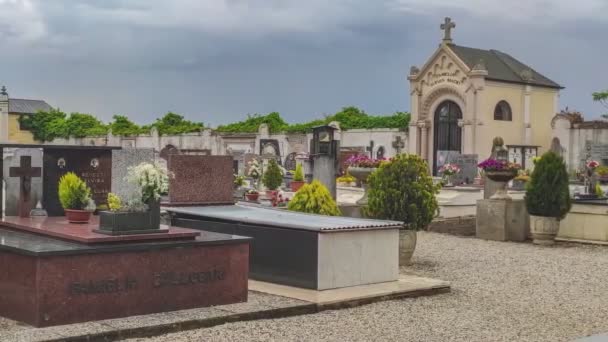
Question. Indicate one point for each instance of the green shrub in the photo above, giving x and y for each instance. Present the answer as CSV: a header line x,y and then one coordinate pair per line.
x,y
298,176
314,198
272,176
114,202
403,190
547,192
73,192
602,170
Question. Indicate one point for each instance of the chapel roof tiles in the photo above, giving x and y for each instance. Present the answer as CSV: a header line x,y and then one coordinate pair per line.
x,y
502,67
23,106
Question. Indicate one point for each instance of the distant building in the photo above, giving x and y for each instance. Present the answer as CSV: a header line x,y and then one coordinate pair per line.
x,y
11,110
464,97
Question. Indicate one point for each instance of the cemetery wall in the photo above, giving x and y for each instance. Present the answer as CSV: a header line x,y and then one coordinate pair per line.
x,y
581,140
248,143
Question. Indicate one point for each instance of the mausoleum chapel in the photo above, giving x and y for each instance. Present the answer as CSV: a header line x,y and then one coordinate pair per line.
x,y
462,97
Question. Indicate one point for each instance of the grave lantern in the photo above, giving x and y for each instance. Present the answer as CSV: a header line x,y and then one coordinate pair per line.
x,y
323,142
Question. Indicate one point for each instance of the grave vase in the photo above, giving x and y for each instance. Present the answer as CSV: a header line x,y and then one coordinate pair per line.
x,y
407,246
77,216
502,178
126,223
544,229
361,174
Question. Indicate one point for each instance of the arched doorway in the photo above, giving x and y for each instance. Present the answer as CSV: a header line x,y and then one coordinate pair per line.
x,y
447,135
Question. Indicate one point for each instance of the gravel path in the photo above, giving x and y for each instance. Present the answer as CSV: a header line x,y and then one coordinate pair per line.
x,y
500,292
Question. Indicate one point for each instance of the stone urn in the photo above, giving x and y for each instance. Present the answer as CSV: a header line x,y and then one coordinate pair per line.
x,y
502,177
361,174
543,229
407,246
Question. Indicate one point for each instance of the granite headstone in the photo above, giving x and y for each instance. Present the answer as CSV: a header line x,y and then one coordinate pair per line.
x,y
122,160
200,180
94,166
13,184
468,167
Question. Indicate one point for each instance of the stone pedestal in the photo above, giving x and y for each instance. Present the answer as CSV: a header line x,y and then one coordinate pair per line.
x,y
324,170
490,187
502,220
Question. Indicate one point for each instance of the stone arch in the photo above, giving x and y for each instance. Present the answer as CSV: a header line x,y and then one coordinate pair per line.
x,y
431,100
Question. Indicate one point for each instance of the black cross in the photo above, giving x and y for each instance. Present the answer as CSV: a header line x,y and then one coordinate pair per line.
x,y
25,171
398,144
370,149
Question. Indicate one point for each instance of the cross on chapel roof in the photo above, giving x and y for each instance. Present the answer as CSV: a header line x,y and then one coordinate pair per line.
x,y
447,27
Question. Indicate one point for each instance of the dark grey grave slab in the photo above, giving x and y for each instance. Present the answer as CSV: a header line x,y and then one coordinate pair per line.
x,y
468,167
94,166
122,160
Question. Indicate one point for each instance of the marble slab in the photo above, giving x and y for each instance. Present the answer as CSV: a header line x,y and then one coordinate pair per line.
x,y
200,180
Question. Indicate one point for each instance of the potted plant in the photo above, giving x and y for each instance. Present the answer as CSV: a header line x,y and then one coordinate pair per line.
x,y
602,172
298,178
500,171
272,178
314,198
141,213
402,190
361,167
75,197
547,198
252,195
346,180
448,171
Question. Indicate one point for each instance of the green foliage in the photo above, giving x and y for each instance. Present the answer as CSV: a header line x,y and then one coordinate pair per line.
x,y
298,176
602,170
314,198
45,126
547,192
349,118
598,190
121,125
602,97
73,192
272,177
173,123
82,125
252,123
346,179
403,190
114,202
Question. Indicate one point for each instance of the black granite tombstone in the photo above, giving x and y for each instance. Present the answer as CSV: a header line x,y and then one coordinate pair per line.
x,y
94,166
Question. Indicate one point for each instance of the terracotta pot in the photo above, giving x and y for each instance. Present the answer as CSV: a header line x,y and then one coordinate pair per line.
x,y
271,193
544,229
77,216
407,246
296,185
252,197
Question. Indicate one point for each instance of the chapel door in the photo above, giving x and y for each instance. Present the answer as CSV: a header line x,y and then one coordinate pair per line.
x,y
447,134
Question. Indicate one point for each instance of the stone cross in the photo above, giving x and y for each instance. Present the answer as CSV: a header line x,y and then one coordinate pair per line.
x,y
25,171
370,149
398,144
447,27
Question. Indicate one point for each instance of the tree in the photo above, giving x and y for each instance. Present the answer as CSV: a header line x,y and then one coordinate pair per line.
x,y
272,177
81,125
602,98
125,127
45,126
547,192
173,123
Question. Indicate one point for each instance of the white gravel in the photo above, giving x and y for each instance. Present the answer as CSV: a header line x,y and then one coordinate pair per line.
x,y
500,292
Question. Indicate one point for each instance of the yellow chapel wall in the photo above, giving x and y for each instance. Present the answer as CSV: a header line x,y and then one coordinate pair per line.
x,y
542,111
512,131
16,135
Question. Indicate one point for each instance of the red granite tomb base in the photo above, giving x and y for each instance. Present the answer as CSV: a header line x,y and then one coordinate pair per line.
x,y
60,289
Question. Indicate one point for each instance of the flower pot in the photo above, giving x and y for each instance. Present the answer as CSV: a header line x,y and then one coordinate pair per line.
x,y
252,197
296,185
407,246
125,223
271,193
544,229
361,173
77,216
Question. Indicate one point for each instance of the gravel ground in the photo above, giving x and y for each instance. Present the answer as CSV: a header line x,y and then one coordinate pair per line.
x,y
500,292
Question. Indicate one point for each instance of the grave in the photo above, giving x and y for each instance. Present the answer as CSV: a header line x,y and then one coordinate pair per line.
x,y
586,222
468,167
310,251
200,180
92,164
60,273
13,184
122,160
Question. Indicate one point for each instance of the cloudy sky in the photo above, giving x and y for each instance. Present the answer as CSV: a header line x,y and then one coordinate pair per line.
x,y
217,60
